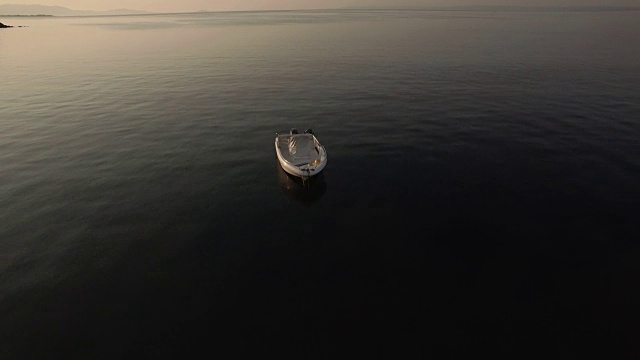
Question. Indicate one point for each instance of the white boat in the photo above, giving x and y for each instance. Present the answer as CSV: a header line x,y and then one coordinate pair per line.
x,y
300,155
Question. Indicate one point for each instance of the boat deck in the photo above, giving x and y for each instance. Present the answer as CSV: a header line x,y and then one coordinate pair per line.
x,y
298,148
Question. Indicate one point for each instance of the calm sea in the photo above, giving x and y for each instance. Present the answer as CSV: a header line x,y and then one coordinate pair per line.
x,y
482,193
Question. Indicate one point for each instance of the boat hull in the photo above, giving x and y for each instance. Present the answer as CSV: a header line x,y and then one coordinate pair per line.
x,y
311,166
296,171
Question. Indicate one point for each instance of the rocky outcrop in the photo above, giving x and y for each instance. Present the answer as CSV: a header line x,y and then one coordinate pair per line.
x,y
3,26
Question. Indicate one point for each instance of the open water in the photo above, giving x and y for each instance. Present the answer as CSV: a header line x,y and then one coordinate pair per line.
x,y
482,193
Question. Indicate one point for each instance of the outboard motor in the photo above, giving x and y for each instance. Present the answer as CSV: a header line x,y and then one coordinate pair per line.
x,y
308,131
293,131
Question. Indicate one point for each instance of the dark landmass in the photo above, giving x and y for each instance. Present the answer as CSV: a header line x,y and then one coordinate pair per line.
x,y
4,26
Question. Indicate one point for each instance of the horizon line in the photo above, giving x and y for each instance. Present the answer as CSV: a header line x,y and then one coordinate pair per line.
x,y
576,8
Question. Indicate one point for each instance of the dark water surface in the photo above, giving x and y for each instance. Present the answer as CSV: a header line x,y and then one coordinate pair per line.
x,y
482,194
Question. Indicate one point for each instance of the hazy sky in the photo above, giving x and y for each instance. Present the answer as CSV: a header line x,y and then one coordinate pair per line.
x,y
214,5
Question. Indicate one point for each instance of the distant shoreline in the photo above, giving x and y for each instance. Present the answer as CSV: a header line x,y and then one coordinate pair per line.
x,y
470,8
39,15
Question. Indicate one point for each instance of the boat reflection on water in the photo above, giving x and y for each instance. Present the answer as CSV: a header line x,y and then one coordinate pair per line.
x,y
307,192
